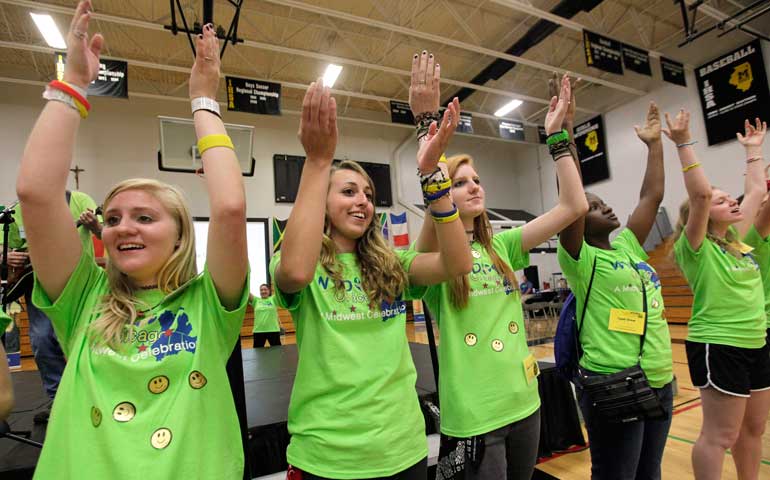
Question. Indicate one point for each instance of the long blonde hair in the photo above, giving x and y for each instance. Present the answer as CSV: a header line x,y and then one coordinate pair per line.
x,y
118,309
727,243
382,276
482,233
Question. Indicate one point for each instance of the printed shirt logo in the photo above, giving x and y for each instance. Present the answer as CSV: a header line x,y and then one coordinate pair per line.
x,y
741,77
353,295
490,280
173,337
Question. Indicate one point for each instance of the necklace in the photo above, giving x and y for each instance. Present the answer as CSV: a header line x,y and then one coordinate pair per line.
x,y
148,287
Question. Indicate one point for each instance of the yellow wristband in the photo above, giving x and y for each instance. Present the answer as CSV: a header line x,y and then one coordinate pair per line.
x,y
216,140
448,219
691,166
436,186
81,108
442,159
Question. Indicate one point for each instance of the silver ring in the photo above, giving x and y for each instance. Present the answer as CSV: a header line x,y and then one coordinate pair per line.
x,y
208,59
79,34
421,82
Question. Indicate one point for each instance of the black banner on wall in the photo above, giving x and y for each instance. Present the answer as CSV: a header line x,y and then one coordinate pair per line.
x,y
512,130
253,96
112,80
466,123
673,72
592,150
733,88
636,60
401,113
602,52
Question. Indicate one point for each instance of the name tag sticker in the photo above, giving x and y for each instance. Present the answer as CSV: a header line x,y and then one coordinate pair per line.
x,y
626,321
531,369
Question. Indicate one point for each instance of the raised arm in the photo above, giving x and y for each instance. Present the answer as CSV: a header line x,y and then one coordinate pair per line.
x,y
424,92
454,255
226,254
651,195
53,241
572,200
755,185
695,181
301,246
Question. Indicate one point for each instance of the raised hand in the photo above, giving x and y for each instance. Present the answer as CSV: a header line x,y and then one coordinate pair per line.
x,y
553,90
679,130
557,110
435,143
82,54
318,125
88,219
204,77
425,87
753,135
650,132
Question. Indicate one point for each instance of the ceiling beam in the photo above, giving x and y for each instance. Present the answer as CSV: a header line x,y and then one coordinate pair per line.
x,y
288,50
453,43
19,81
294,85
564,22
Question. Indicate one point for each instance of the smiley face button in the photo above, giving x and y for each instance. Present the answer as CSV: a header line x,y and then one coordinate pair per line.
x,y
161,438
124,412
96,417
513,327
471,339
197,380
497,345
158,384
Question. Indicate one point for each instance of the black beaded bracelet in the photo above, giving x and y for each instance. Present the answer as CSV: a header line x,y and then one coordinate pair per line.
x,y
429,116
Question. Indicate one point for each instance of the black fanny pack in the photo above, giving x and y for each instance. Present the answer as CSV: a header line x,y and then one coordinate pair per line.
x,y
624,396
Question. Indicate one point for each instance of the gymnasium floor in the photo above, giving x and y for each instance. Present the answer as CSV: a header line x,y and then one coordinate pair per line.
x,y
577,466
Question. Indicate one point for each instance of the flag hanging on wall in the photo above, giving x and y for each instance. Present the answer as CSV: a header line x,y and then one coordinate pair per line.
x,y
399,230
384,225
278,228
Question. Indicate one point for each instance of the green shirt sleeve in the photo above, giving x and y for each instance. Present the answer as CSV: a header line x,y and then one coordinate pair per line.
x,y
628,242
289,301
67,312
229,320
406,257
578,272
508,245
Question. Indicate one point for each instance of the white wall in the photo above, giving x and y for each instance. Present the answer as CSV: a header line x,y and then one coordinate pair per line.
x,y
724,163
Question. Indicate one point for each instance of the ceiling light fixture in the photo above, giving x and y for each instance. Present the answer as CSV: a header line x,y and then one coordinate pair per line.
x,y
49,30
508,108
331,74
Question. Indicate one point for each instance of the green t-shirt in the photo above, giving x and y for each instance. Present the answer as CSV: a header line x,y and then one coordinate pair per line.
x,y
162,406
354,411
617,285
79,203
728,304
482,385
265,315
761,254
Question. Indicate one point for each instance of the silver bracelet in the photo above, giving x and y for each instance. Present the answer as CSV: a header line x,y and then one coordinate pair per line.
x,y
205,103
686,144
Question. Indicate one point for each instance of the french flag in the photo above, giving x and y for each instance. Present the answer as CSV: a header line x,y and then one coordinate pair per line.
x,y
398,230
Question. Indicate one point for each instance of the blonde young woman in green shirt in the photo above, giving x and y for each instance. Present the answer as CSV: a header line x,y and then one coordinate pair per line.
x,y
354,411
727,351
145,391
487,382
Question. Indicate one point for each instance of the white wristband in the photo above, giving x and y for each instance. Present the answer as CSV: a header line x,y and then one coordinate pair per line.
x,y
205,103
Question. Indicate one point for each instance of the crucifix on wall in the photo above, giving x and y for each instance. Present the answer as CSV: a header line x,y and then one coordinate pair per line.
x,y
77,171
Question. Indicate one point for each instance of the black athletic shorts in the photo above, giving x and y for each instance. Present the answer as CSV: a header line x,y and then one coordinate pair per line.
x,y
731,370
